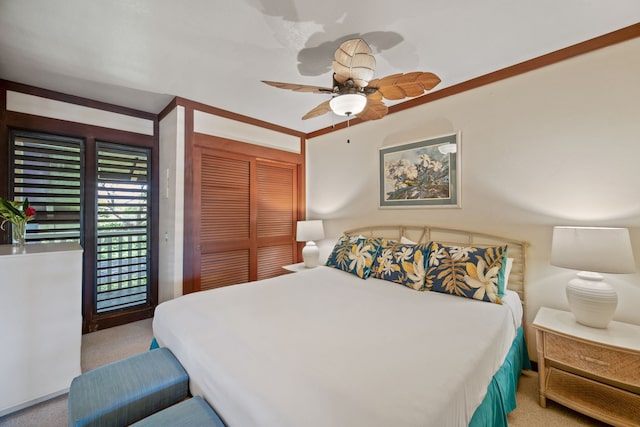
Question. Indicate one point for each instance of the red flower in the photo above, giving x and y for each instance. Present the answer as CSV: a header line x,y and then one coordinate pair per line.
x,y
30,211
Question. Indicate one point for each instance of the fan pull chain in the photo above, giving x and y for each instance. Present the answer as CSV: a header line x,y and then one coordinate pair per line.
x,y
348,118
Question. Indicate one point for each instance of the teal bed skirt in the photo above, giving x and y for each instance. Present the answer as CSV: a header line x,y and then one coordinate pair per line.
x,y
501,393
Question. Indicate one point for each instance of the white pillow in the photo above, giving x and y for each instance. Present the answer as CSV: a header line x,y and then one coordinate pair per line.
x,y
507,271
406,241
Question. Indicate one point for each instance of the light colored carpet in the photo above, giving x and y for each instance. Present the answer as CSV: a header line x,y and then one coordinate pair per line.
x,y
109,345
529,413
113,344
98,348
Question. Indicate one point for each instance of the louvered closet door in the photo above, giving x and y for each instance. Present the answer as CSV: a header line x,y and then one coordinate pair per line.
x,y
225,218
247,209
276,214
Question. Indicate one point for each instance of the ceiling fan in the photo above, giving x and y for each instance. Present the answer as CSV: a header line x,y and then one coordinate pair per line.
x,y
354,93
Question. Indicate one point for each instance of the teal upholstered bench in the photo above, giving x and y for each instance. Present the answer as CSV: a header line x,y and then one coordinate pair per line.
x,y
189,413
126,391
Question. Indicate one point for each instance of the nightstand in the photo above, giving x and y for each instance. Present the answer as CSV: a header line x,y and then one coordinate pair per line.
x,y
593,371
295,267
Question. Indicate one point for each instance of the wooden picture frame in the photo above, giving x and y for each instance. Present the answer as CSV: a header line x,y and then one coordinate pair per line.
x,y
421,173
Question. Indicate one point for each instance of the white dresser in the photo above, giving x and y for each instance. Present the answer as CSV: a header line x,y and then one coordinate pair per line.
x,y
40,322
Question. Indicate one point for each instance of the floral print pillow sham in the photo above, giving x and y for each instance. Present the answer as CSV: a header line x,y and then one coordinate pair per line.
x,y
402,263
468,272
354,254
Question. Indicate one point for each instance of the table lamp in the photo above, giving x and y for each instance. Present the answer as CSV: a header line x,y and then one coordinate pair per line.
x,y
308,231
592,250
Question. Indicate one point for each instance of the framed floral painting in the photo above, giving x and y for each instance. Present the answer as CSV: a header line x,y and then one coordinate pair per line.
x,y
421,174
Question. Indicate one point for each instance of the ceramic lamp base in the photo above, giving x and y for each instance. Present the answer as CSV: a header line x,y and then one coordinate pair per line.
x,y
311,254
592,300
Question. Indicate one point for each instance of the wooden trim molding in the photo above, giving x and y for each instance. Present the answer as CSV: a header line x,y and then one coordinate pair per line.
x,y
72,99
302,193
225,144
63,127
193,105
4,155
591,45
168,108
189,263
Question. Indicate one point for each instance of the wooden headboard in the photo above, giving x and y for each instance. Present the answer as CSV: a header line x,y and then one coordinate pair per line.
x,y
449,236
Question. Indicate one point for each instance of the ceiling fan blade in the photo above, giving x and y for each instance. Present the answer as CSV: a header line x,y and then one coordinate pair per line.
x,y
353,60
385,80
375,96
409,85
318,111
298,87
375,108
428,80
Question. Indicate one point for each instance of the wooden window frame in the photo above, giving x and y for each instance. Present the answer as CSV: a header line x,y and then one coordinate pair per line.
x,y
11,120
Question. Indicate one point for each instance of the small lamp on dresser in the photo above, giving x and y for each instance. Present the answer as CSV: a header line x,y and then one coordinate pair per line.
x,y
309,231
592,250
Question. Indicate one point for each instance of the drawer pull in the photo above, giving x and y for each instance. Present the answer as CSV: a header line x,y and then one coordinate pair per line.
x,y
592,360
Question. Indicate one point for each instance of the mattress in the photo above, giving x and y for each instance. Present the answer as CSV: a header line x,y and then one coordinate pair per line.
x,y
324,347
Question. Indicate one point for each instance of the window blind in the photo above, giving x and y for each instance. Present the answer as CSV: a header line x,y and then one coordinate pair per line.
x,y
47,170
122,227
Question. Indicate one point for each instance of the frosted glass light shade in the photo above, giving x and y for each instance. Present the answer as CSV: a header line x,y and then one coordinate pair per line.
x,y
348,104
308,231
593,250
448,148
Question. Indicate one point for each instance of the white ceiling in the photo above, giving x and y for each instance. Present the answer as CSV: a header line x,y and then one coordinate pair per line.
x,y
142,53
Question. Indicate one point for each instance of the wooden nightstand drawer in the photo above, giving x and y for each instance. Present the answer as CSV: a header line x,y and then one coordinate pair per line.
x,y
594,371
608,404
608,363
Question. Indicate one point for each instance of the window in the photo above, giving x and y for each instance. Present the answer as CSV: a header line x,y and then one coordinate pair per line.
x,y
47,170
98,194
123,227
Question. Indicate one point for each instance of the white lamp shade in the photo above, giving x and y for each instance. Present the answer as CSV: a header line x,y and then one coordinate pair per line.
x,y
599,249
593,250
309,230
348,104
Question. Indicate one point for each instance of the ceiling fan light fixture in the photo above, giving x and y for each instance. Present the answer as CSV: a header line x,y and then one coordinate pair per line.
x,y
353,90
348,104
448,148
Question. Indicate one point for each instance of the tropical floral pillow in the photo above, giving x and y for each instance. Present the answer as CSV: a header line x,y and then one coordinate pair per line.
x,y
354,254
402,263
469,272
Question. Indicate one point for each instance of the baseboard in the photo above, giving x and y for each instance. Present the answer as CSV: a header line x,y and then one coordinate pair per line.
x,y
33,402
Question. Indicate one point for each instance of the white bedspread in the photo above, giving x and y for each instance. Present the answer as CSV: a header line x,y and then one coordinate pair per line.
x,y
325,348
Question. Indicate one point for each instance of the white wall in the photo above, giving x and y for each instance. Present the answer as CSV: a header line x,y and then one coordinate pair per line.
x,y
171,215
45,107
556,146
211,124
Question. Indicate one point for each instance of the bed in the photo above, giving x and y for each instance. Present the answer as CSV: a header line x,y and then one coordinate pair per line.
x,y
325,347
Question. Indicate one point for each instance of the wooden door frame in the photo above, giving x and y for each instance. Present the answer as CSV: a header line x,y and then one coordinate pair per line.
x,y
10,120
